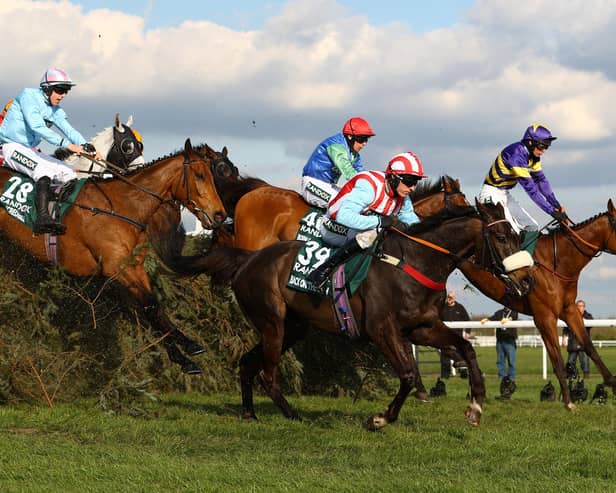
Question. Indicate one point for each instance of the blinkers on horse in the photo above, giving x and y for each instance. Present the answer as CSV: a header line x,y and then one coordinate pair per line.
x,y
126,146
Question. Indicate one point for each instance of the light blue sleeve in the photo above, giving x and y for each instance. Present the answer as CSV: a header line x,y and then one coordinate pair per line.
x,y
62,123
407,212
32,115
350,212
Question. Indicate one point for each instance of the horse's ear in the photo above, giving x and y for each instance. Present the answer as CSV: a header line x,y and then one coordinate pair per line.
x,y
118,124
610,207
188,146
129,122
224,151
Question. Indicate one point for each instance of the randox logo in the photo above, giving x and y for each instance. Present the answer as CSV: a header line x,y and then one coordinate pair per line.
x,y
23,160
318,192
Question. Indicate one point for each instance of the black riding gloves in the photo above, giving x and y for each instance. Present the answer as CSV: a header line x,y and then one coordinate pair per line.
x,y
392,221
89,148
560,216
386,221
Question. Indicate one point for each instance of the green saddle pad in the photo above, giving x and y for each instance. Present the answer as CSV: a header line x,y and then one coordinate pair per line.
x,y
312,254
18,199
310,224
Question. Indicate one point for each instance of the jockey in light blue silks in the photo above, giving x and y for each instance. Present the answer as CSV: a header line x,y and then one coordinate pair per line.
x,y
336,156
369,201
28,121
520,162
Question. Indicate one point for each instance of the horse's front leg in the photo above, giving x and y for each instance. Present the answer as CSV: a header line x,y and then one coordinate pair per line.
x,y
398,352
442,337
162,326
545,321
575,322
136,280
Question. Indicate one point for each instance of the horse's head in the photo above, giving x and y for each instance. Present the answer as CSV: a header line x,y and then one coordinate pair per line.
x,y
610,242
121,145
221,165
430,197
500,249
198,191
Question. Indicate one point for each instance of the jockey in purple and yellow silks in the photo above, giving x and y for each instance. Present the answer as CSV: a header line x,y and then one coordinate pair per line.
x,y
336,156
369,200
520,162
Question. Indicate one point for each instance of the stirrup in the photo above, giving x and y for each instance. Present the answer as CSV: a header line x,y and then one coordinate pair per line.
x,y
53,228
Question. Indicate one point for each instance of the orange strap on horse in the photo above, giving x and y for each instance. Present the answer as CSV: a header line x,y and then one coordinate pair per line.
x,y
577,236
427,243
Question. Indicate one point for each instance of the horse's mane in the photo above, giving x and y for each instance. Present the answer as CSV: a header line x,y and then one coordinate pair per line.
x,y
429,187
589,220
435,220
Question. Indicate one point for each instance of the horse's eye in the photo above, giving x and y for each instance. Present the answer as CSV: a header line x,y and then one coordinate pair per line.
x,y
199,175
501,238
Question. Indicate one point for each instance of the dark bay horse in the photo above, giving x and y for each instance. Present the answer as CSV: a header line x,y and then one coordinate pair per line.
x,y
559,257
389,306
107,223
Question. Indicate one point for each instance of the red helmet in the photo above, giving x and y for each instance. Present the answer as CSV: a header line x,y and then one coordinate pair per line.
x,y
405,163
357,126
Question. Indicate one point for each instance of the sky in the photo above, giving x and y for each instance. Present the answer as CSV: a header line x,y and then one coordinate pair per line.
x,y
452,81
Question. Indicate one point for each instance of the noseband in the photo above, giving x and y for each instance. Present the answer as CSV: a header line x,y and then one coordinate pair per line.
x,y
189,203
496,262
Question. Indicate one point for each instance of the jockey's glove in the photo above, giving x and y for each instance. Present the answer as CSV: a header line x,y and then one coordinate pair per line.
x,y
386,221
89,148
560,216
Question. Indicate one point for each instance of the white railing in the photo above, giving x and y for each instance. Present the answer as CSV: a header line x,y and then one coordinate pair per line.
x,y
521,324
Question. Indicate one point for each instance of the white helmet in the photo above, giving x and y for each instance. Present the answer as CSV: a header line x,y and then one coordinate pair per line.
x,y
56,77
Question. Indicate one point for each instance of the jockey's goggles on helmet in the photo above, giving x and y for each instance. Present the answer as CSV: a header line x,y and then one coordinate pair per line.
x,y
409,180
361,139
60,89
543,145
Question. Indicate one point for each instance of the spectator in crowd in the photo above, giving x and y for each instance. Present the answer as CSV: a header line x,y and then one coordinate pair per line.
x,y
506,345
574,349
452,311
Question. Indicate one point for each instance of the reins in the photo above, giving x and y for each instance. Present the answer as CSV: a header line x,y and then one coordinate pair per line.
x,y
117,172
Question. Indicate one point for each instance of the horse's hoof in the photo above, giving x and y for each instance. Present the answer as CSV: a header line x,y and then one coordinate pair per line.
x,y
473,413
421,396
375,423
193,348
191,369
570,407
249,416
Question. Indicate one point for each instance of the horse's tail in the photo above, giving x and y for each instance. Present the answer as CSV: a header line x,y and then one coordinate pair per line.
x,y
222,264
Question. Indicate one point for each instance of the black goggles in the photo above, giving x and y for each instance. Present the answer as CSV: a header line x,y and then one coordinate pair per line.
x,y
543,145
61,89
361,139
409,180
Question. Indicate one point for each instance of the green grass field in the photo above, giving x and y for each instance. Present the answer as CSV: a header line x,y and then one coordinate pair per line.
x,y
197,443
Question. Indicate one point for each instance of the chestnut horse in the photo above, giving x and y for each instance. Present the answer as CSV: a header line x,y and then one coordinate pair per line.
x,y
264,214
559,257
106,224
389,306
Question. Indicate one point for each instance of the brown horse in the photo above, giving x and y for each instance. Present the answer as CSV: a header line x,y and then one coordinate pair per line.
x,y
106,224
559,256
264,214
390,307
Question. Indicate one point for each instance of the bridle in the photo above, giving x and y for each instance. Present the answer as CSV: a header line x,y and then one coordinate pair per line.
x,y
489,249
118,173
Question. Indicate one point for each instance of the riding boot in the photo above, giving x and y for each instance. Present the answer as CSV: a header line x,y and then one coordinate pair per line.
x,y
45,223
318,277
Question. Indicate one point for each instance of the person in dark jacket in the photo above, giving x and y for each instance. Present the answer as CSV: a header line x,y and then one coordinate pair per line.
x,y
452,311
574,349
